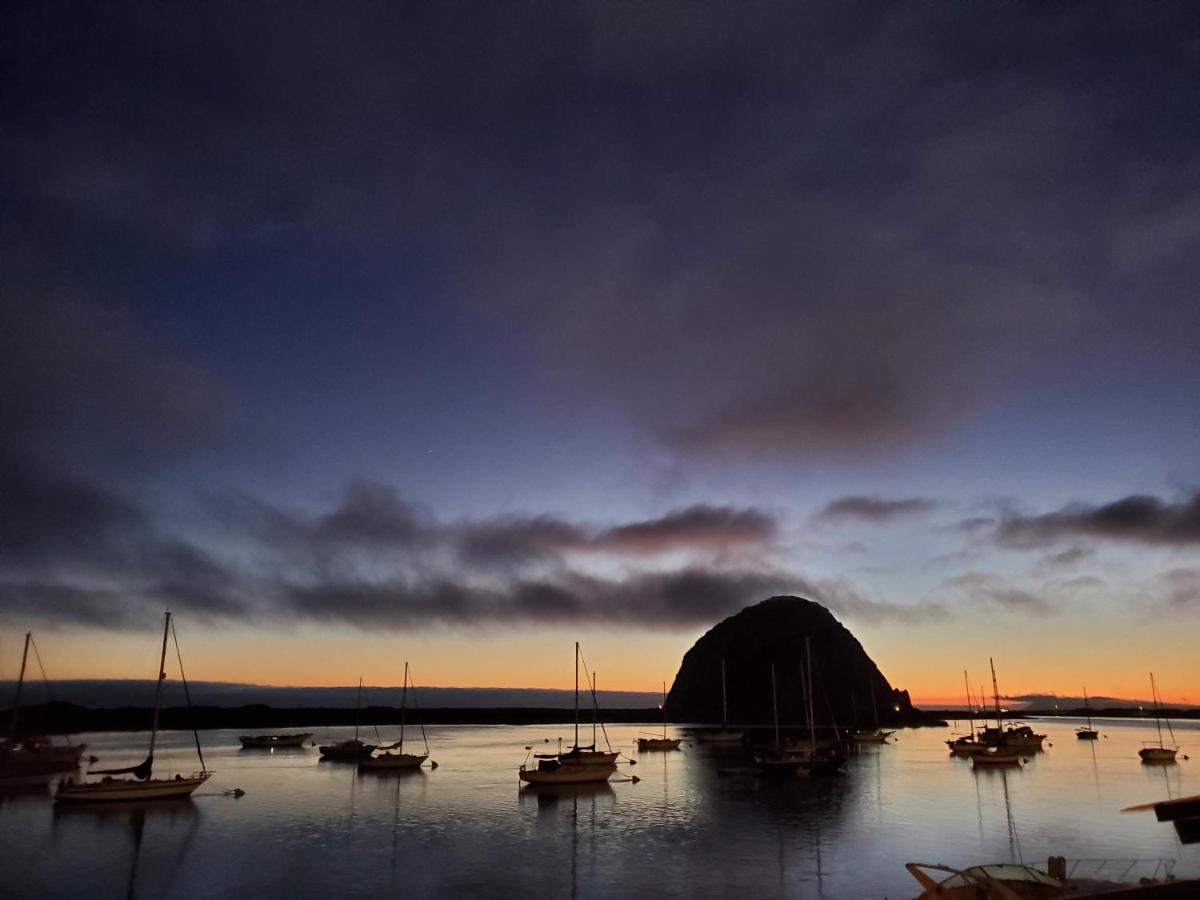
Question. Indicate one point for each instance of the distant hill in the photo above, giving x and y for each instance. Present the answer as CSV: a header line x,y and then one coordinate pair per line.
x,y
104,693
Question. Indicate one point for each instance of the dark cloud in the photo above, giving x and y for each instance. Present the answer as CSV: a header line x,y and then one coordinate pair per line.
x,y
373,561
728,226
1064,559
1138,519
713,528
872,509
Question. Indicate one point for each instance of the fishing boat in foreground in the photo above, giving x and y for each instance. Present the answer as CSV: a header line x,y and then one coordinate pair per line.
x,y
33,756
660,743
142,786
577,765
393,756
1162,753
1061,879
1089,733
351,750
271,741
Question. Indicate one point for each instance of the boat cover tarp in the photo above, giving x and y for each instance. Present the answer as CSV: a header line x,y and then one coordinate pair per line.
x,y
141,771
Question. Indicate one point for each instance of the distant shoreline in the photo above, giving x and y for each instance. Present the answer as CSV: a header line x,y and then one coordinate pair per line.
x,y
1114,712
68,718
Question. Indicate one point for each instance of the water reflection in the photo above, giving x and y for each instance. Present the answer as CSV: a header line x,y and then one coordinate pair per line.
x,y
306,828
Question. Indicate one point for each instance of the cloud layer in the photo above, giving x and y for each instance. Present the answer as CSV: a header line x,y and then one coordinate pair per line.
x,y
1136,519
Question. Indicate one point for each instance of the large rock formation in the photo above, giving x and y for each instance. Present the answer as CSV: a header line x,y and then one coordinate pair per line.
x,y
774,632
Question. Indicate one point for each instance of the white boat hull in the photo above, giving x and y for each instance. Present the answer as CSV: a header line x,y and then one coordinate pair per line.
x,y
1157,754
121,789
393,761
983,760
568,774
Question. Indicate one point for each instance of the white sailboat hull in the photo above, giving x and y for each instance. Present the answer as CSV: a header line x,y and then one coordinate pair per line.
x,y
1157,754
394,761
568,774
120,789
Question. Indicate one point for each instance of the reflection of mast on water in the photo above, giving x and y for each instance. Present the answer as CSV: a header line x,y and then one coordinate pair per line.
x,y
1014,839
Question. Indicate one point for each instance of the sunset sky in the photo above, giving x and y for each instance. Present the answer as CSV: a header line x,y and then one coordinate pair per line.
x,y
456,333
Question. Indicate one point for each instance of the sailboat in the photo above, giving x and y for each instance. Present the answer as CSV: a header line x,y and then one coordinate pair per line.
x,y
1162,753
660,743
350,750
583,755
875,735
812,760
967,744
33,756
142,786
393,755
996,754
577,765
724,734
1089,733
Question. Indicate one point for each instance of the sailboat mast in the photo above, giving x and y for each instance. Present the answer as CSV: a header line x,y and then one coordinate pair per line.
x,y
162,675
12,722
812,723
996,694
664,710
358,708
1087,708
1157,711
970,709
874,708
724,700
577,693
595,711
403,705
775,704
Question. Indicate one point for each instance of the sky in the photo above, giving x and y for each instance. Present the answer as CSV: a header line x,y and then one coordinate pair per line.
x,y
456,333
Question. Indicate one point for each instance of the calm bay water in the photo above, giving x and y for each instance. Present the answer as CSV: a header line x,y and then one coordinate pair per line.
x,y
307,828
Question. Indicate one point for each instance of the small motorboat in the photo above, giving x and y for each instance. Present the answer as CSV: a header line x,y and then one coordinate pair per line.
x,y
271,741
873,736
346,751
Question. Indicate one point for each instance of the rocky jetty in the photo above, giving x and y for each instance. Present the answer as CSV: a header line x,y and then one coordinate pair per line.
x,y
774,632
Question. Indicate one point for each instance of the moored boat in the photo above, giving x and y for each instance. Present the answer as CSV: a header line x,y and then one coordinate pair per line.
x,y
351,750
663,743
1161,753
995,757
1089,733
724,734
33,756
393,755
143,786
551,771
577,765
270,741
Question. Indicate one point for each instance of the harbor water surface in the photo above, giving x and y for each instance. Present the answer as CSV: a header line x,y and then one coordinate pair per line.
x,y
307,828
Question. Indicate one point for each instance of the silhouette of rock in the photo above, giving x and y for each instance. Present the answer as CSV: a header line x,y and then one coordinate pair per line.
x,y
774,631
